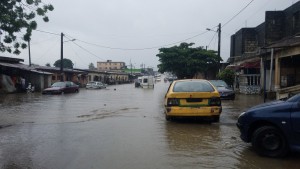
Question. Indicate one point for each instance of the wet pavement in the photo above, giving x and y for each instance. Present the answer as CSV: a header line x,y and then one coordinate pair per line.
x,y
121,127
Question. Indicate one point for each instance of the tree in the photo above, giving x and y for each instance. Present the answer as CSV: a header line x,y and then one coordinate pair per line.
x,y
16,15
91,66
185,62
48,65
227,75
67,63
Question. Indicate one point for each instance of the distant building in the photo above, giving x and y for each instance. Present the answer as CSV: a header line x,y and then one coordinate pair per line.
x,y
109,65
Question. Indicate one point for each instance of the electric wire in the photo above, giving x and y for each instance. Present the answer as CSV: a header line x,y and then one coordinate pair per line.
x,y
237,14
212,39
136,49
47,51
48,32
83,61
147,48
85,49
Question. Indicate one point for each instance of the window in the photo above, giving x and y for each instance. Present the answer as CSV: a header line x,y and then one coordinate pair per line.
x,y
53,77
296,22
193,87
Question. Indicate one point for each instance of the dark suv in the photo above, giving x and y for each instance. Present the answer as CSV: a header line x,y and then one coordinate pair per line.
x,y
273,128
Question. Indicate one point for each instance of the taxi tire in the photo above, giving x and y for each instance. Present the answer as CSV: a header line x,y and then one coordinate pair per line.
x,y
216,119
168,118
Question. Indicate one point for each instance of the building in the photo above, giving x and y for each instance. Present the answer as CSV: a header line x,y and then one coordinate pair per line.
x,y
267,57
15,76
76,76
109,65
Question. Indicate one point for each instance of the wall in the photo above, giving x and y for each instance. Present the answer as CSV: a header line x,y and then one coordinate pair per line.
x,y
274,24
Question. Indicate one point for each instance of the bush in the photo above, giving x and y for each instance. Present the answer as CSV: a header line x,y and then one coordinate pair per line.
x,y
227,75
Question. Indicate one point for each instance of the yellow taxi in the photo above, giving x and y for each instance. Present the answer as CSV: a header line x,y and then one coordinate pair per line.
x,y
192,98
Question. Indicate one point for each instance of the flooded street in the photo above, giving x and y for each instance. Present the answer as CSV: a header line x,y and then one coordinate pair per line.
x,y
121,127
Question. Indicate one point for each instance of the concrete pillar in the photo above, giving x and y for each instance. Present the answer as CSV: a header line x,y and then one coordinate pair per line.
x,y
277,73
262,73
271,70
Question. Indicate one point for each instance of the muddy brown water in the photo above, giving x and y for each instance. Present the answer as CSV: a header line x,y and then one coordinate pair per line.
x,y
121,127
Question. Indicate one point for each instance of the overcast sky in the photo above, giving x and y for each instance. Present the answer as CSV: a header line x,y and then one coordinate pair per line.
x,y
134,30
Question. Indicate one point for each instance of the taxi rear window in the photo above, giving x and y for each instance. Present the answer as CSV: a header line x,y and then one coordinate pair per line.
x,y
193,86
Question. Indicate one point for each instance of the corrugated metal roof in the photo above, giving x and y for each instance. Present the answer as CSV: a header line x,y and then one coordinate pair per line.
x,y
23,67
56,69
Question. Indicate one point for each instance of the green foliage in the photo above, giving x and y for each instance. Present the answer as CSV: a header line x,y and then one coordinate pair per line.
x,y
16,15
91,66
227,75
185,62
132,70
67,63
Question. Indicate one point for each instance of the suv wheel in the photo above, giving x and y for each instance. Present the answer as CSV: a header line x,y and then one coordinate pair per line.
x,y
269,141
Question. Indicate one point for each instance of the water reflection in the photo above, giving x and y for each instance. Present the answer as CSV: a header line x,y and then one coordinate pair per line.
x,y
122,128
199,145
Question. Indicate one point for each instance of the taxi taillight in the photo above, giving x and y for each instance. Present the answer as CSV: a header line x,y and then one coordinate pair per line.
x,y
173,102
215,101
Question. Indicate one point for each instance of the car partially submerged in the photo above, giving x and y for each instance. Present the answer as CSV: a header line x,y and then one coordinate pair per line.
x,y
62,87
192,98
225,91
273,128
95,85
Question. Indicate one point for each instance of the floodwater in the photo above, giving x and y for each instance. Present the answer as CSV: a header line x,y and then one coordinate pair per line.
x,y
121,127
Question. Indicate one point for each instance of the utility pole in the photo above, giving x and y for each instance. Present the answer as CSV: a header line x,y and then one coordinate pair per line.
x,y
219,44
61,57
29,53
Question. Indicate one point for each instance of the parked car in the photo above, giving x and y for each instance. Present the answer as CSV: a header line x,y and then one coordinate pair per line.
x,y
273,128
192,98
225,91
61,87
95,85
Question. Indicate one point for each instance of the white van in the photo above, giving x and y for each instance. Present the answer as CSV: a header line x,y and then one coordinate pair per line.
x,y
147,82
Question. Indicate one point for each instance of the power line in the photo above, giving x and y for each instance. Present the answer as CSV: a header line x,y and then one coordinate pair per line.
x,y
238,13
127,49
212,39
147,48
77,55
85,49
48,32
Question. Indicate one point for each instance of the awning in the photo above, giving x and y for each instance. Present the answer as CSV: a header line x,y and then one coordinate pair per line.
x,y
255,64
233,67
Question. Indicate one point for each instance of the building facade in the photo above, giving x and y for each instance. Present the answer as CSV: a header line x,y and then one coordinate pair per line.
x,y
109,65
266,57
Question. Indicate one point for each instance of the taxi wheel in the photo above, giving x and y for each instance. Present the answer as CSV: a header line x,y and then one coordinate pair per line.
x,y
216,119
168,118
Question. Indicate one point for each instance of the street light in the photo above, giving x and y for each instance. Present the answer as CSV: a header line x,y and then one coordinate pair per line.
x,y
69,40
219,41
